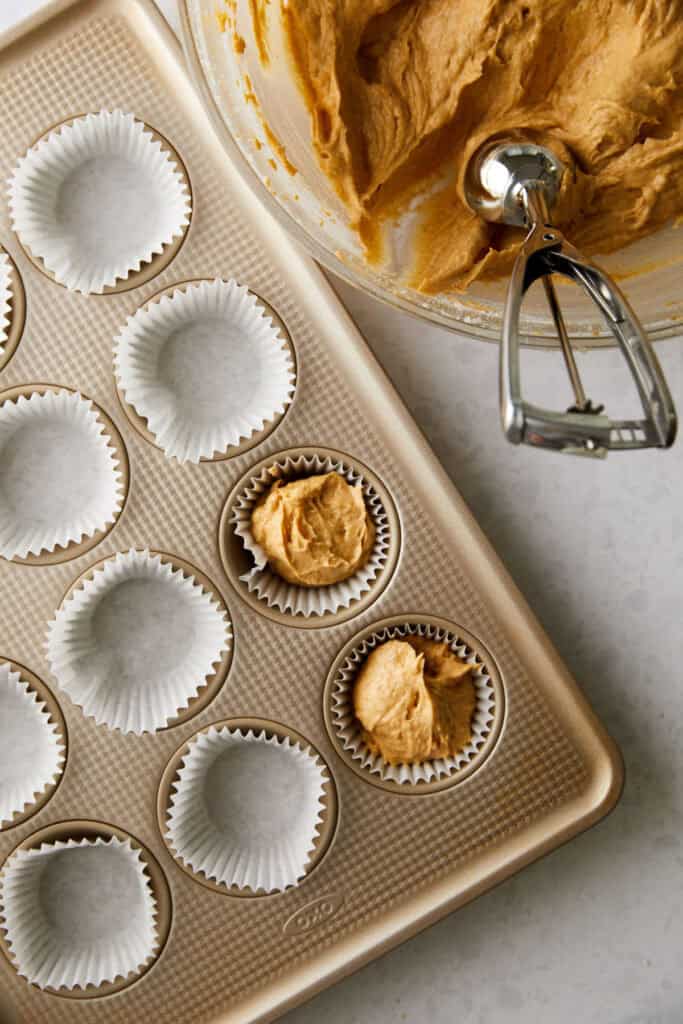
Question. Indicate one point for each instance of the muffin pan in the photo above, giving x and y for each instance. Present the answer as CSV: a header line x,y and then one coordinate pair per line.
x,y
316,863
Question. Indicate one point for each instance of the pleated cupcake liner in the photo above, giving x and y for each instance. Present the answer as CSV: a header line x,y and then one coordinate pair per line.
x,y
32,748
5,299
246,809
272,588
78,912
37,181
141,693
350,731
26,528
244,380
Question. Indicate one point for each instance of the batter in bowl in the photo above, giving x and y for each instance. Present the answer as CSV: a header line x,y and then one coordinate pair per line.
x,y
402,92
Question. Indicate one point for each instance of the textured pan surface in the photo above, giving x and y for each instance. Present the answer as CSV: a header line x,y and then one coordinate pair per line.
x,y
394,864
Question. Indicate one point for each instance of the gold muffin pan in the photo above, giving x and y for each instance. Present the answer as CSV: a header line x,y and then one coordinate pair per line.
x,y
382,867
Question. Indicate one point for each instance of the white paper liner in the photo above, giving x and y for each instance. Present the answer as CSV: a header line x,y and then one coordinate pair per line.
x,y
135,643
349,729
5,299
97,198
59,475
78,912
32,750
272,588
206,367
246,808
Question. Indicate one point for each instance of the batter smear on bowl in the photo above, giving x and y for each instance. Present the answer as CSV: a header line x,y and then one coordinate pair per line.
x,y
402,93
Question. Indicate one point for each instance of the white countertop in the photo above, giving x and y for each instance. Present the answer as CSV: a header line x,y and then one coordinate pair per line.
x,y
594,932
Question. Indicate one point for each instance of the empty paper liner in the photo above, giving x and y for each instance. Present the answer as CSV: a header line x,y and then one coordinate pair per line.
x,y
264,582
60,480
5,299
134,642
205,367
96,199
245,808
347,730
78,912
32,748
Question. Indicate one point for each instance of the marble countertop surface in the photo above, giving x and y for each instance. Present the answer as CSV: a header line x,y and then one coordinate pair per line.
x,y
594,932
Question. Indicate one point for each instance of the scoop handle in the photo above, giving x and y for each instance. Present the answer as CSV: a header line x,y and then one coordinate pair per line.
x,y
581,430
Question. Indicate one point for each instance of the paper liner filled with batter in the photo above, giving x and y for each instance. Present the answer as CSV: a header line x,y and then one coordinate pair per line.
x,y
96,199
245,808
270,587
78,912
134,643
60,481
205,367
32,748
349,731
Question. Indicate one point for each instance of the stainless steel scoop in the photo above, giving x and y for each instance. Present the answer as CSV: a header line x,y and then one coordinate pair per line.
x,y
516,182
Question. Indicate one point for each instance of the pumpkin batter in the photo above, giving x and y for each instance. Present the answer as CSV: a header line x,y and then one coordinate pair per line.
x,y
401,91
415,700
314,531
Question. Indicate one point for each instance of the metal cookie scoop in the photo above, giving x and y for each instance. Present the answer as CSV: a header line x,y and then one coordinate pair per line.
x,y
516,182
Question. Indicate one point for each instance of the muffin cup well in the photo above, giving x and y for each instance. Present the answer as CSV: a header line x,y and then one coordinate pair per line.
x,y
247,807
32,746
206,367
313,604
12,308
61,474
346,731
96,198
135,640
5,300
84,909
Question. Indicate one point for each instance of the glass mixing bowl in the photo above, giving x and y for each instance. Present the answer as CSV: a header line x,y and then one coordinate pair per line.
x,y
258,111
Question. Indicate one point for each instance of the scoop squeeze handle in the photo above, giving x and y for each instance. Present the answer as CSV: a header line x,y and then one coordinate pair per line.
x,y
583,429
515,181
